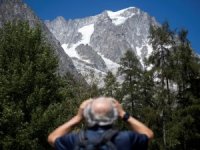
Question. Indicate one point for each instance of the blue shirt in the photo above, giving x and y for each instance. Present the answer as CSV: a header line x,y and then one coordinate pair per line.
x,y
124,140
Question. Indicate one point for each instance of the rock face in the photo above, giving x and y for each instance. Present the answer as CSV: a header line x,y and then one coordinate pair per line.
x,y
98,42
17,10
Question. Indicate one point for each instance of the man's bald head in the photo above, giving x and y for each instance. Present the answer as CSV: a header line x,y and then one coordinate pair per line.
x,y
102,105
101,112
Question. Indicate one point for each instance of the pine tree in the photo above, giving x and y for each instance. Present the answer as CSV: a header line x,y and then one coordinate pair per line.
x,y
130,69
111,87
184,131
29,86
162,40
186,67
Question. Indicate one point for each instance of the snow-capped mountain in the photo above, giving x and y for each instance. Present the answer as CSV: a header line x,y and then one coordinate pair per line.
x,y
98,42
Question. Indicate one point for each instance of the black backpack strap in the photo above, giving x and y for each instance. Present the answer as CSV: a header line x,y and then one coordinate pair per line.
x,y
109,134
107,138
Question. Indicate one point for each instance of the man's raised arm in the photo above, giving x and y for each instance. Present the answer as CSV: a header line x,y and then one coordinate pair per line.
x,y
135,124
67,126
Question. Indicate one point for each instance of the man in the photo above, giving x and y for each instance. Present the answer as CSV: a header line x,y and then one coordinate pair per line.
x,y
100,115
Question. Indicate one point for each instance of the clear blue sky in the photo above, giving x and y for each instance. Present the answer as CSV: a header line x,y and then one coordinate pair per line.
x,y
179,13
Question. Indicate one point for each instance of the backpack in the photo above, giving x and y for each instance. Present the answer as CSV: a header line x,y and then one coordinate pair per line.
x,y
103,143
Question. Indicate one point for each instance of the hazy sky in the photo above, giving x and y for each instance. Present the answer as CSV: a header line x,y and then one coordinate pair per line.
x,y
179,13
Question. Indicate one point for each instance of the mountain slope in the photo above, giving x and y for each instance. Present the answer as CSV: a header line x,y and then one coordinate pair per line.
x,y
17,10
98,42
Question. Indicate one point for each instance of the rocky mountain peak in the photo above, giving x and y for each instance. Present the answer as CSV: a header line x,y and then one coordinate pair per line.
x,y
98,42
119,17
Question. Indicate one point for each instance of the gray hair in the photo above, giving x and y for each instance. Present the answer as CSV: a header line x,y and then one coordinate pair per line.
x,y
92,118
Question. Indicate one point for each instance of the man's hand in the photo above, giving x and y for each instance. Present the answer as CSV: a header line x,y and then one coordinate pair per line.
x,y
119,108
83,105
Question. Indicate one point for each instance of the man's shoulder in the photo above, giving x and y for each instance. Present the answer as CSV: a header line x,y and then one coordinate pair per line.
x,y
132,140
67,140
131,134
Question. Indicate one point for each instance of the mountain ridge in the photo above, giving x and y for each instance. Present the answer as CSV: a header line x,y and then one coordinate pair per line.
x,y
110,34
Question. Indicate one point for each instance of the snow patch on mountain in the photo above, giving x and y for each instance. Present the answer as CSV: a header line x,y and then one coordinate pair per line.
x,y
71,51
86,32
112,66
138,51
150,50
118,18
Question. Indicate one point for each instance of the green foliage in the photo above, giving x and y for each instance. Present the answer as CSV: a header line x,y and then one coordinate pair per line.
x,y
161,39
175,65
28,85
34,99
111,87
165,97
130,69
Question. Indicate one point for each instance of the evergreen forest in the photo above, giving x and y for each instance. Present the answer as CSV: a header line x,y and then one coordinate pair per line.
x,y
35,99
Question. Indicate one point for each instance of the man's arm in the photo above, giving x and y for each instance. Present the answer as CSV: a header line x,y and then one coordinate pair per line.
x,y
63,129
67,127
139,127
135,124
